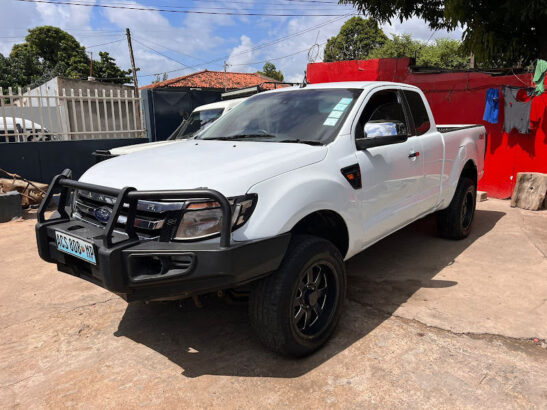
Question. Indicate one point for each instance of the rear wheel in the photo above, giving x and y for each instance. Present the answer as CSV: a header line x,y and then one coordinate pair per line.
x,y
455,221
295,310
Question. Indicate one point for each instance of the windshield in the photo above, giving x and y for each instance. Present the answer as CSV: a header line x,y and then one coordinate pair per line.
x,y
196,121
308,116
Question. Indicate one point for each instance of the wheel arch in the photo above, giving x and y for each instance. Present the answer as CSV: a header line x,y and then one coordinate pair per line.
x,y
326,224
470,171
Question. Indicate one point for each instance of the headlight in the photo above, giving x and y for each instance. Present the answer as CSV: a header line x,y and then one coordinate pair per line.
x,y
204,219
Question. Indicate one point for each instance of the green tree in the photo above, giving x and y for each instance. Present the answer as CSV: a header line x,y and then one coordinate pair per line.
x,y
497,32
445,53
6,73
59,52
106,68
270,70
48,52
398,46
25,66
357,38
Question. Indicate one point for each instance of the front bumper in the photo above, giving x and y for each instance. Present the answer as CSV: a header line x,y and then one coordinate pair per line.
x,y
146,269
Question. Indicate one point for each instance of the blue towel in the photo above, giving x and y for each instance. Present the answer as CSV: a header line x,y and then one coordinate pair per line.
x,y
492,108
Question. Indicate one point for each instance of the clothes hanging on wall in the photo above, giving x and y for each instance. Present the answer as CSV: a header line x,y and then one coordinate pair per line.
x,y
516,113
539,76
492,107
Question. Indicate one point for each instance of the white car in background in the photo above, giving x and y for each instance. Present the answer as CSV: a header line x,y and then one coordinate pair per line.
x,y
198,120
27,130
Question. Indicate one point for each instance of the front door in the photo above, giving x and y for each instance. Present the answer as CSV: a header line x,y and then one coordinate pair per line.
x,y
391,174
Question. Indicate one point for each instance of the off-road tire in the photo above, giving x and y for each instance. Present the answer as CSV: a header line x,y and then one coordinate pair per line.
x,y
455,221
274,301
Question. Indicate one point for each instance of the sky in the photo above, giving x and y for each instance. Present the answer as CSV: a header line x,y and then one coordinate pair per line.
x,y
180,43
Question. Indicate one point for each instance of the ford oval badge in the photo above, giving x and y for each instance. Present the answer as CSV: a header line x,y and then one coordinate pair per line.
x,y
103,214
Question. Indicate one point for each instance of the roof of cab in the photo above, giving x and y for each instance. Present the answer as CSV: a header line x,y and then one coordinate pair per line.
x,y
342,84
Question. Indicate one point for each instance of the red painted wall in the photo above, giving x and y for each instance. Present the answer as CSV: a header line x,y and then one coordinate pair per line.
x,y
459,98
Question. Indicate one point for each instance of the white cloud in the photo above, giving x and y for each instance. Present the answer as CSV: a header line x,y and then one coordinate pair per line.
x,y
241,56
16,18
192,38
293,66
192,35
65,16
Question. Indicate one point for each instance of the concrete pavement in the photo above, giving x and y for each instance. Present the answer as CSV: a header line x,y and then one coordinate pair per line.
x,y
428,323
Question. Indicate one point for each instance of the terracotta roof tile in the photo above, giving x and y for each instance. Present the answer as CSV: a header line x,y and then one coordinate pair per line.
x,y
214,79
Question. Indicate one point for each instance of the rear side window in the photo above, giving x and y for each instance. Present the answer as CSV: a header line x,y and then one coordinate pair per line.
x,y
418,111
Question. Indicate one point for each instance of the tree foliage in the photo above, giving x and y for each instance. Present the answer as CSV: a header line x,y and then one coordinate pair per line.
x,y
444,53
6,73
48,52
107,69
270,70
355,41
497,32
24,66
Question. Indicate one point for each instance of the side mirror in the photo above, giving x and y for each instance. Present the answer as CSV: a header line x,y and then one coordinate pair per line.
x,y
378,133
364,143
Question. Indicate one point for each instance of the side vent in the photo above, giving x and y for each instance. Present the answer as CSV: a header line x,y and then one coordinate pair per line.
x,y
353,175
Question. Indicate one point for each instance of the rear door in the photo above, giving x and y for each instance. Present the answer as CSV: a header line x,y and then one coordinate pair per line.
x,y
391,174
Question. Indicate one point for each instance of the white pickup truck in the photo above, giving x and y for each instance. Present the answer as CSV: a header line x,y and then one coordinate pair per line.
x,y
274,197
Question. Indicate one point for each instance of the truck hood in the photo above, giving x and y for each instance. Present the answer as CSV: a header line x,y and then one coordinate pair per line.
x,y
230,167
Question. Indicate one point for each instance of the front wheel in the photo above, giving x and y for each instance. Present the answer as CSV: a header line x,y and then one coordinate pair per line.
x,y
295,310
455,221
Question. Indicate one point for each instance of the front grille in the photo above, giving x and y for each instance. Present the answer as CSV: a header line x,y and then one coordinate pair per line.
x,y
153,220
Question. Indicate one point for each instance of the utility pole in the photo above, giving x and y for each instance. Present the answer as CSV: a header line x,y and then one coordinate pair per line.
x,y
225,67
135,82
90,78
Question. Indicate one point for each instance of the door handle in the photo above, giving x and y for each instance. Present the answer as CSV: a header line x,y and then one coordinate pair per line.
x,y
413,154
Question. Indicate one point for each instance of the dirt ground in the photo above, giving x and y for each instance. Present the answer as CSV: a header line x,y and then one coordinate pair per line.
x,y
428,323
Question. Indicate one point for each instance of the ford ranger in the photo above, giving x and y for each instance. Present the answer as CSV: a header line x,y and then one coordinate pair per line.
x,y
274,196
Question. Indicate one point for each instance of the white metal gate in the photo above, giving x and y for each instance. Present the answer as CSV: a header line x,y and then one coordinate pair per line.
x,y
69,114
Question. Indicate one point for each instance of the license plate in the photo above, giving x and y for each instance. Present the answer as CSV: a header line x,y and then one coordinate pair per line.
x,y
76,247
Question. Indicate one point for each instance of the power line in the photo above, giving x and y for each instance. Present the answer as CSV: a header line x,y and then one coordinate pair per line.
x,y
104,44
260,46
173,50
289,36
259,2
263,45
72,3
161,54
284,6
276,58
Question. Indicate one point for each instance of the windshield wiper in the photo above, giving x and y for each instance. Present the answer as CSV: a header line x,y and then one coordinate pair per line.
x,y
299,141
241,136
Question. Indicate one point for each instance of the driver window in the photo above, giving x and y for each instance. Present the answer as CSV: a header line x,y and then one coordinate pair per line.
x,y
383,116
